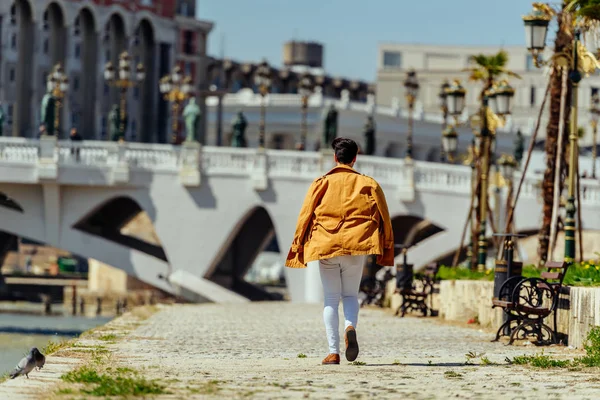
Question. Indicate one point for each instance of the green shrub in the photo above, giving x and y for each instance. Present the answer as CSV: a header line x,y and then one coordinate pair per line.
x,y
586,273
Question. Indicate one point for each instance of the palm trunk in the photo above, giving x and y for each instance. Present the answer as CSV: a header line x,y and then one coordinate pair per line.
x,y
556,201
563,42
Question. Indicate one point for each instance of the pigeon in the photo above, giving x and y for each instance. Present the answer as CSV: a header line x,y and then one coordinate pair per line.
x,y
40,359
26,365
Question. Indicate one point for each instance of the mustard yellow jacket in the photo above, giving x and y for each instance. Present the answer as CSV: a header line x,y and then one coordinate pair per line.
x,y
344,213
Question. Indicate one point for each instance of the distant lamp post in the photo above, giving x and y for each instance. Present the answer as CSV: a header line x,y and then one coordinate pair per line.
x,y
595,116
57,84
443,96
305,89
411,86
263,80
123,78
176,89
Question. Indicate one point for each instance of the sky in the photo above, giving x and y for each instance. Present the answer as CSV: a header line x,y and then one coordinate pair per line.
x,y
350,30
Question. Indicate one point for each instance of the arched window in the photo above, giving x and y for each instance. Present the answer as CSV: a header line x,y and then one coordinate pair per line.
x,y
45,22
13,15
13,41
77,27
45,46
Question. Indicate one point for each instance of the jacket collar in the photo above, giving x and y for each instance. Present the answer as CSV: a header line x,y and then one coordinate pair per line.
x,y
340,168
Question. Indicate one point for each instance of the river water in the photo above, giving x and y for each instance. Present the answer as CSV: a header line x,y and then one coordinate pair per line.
x,y
18,333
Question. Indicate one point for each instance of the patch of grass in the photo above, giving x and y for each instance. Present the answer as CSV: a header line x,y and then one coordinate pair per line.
x,y
396,362
515,384
591,358
83,374
65,391
210,387
487,361
358,363
301,355
4,377
120,382
592,348
453,375
108,338
53,347
541,361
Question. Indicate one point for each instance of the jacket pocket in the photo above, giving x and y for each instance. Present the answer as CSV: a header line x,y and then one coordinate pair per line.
x,y
331,226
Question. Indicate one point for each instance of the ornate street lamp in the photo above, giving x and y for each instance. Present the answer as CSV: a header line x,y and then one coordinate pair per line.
x,y
579,61
595,116
123,79
450,142
305,89
57,84
176,89
453,99
411,86
500,98
262,79
536,30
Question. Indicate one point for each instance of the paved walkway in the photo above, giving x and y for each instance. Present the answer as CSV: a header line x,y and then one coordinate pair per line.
x,y
251,351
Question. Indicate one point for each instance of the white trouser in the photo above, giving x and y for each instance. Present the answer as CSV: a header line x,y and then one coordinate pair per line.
x,y
341,278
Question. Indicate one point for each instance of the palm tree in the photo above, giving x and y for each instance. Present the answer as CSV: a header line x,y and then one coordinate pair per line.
x,y
488,68
562,43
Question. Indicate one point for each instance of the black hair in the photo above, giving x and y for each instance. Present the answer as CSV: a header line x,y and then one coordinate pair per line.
x,y
345,150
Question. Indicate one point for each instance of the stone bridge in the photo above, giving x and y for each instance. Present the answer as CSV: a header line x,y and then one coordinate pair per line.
x,y
215,208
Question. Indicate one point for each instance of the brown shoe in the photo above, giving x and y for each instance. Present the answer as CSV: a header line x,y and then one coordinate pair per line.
x,y
331,359
351,343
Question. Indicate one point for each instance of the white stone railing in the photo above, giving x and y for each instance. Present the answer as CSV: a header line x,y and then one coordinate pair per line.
x,y
191,161
19,150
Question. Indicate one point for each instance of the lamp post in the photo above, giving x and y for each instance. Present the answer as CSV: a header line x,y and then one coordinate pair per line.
x,y
176,89
443,96
579,61
411,86
305,88
595,115
57,84
262,79
496,105
123,79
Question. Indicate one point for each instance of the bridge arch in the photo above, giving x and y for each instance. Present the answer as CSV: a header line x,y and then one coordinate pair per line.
x,y
111,220
411,229
253,233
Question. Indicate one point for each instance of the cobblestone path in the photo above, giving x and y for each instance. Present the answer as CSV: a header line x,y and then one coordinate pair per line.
x,y
253,350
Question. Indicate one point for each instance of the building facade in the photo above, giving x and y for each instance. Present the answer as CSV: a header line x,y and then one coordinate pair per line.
x,y
434,64
299,59
83,36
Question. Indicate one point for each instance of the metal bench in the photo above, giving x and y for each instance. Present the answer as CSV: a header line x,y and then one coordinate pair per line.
x,y
415,290
528,301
